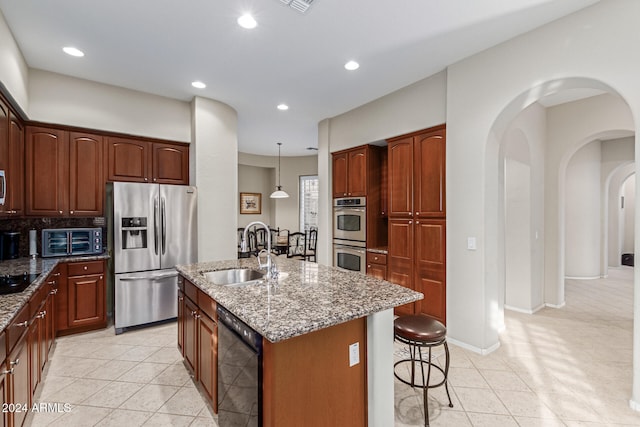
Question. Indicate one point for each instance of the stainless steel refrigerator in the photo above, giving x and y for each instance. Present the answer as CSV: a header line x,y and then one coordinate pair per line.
x,y
150,229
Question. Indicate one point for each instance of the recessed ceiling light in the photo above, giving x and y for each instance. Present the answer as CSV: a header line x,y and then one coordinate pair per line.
x,y
247,21
198,84
73,51
351,65
283,107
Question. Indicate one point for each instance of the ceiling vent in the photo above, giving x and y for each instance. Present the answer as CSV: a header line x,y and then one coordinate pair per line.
x,y
298,5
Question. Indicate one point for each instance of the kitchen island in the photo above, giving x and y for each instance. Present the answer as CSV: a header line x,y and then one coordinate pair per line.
x,y
327,339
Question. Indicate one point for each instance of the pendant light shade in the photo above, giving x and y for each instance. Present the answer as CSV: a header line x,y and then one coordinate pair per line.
x,y
279,193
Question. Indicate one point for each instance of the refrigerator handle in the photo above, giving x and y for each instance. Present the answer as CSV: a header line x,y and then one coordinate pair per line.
x,y
163,216
155,225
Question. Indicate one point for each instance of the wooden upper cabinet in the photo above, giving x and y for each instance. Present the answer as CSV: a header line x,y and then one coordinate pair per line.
x,y
170,163
429,174
128,160
133,160
339,175
86,177
15,174
4,152
357,172
400,177
47,165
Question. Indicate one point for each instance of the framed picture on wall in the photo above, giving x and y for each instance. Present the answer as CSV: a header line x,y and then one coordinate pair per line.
x,y
250,203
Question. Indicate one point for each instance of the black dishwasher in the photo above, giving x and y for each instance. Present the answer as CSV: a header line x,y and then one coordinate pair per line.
x,y
239,372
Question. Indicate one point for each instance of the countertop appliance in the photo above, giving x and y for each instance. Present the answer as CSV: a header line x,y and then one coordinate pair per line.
x,y
9,244
71,241
239,350
13,283
150,229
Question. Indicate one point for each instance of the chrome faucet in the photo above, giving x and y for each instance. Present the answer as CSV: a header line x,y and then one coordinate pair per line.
x,y
272,271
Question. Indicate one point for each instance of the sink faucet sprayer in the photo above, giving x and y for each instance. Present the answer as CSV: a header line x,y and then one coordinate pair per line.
x,y
272,271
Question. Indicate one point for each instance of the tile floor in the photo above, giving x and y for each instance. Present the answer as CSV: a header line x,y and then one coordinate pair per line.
x,y
559,367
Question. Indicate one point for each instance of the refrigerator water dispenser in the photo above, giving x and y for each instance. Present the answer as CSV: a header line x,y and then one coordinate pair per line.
x,y
134,232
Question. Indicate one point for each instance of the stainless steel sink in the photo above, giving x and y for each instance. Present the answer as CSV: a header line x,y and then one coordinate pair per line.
x,y
234,276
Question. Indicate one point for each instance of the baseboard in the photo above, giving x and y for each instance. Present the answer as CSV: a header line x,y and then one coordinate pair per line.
x,y
520,310
582,277
556,305
482,351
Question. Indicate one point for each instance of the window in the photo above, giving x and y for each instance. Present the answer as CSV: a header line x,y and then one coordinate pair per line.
x,y
308,202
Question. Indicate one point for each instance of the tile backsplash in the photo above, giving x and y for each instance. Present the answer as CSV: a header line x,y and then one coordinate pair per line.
x,y
23,225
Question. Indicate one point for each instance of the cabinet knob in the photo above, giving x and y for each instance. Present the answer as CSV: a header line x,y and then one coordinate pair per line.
x,y
382,212
60,212
101,277
155,179
417,213
10,371
53,292
180,299
23,324
410,213
86,268
417,222
15,362
369,266
146,179
410,222
375,258
193,313
71,212
344,194
56,274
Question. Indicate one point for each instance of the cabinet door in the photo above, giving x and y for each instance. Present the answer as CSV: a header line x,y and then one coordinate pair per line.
x,y
400,257
33,340
4,152
378,271
170,164
429,175
47,173
15,174
208,358
190,336
4,394
86,300
128,160
431,268
61,299
181,312
357,172
400,177
86,178
339,170
19,387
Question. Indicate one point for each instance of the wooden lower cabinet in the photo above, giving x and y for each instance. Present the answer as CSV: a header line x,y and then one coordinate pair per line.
x,y
4,390
430,267
191,336
80,298
181,320
377,265
19,381
207,360
400,258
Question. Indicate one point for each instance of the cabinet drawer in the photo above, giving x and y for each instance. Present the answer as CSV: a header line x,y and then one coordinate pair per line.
x,y
35,303
376,258
207,304
191,291
84,268
17,327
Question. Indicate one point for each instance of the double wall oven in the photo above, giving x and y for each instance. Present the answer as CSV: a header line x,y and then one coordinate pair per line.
x,y
350,233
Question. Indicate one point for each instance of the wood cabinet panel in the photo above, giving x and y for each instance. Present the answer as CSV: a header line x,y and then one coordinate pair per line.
x,y
400,177
4,138
85,267
430,276
4,392
86,300
357,172
170,163
33,344
191,336
47,165
429,175
86,177
19,386
339,170
400,257
181,321
378,271
128,160
14,170
208,358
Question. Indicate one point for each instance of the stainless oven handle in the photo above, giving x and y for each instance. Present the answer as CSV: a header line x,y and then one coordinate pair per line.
x,y
350,248
349,210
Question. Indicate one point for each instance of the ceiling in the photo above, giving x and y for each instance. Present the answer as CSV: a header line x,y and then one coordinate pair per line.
x,y
161,46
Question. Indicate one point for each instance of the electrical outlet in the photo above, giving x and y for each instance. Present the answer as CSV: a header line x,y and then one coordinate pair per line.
x,y
354,354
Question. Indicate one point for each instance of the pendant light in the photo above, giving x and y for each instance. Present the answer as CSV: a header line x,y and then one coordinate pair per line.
x,y
279,193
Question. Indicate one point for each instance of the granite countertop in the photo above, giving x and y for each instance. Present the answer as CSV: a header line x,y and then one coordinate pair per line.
x,y
380,250
10,304
306,298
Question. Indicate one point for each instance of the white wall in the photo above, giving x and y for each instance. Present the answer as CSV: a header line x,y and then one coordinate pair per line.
x,y
215,152
254,179
286,214
55,98
582,213
14,73
629,191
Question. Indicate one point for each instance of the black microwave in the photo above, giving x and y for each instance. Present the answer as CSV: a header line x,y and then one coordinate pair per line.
x,y
71,241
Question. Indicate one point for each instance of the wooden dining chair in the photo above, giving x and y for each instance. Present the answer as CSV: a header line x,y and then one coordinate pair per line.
x,y
312,243
297,246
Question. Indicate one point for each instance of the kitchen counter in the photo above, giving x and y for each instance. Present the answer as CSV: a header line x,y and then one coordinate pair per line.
x,y
307,297
381,250
10,304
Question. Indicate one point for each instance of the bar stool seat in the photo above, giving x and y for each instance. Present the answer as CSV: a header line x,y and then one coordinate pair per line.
x,y
419,331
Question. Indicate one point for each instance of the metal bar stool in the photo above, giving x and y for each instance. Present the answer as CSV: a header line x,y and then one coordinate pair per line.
x,y
420,331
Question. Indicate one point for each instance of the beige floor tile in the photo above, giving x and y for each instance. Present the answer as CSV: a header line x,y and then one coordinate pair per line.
x,y
142,372
525,404
480,400
111,370
51,385
165,355
571,408
77,367
110,351
137,353
203,422
448,419
81,416
491,420
78,391
124,417
175,374
113,394
538,422
151,397
187,401
466,377
164,420
504,380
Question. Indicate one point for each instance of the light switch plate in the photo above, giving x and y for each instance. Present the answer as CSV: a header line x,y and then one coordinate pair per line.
x,y
354,354
471,243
